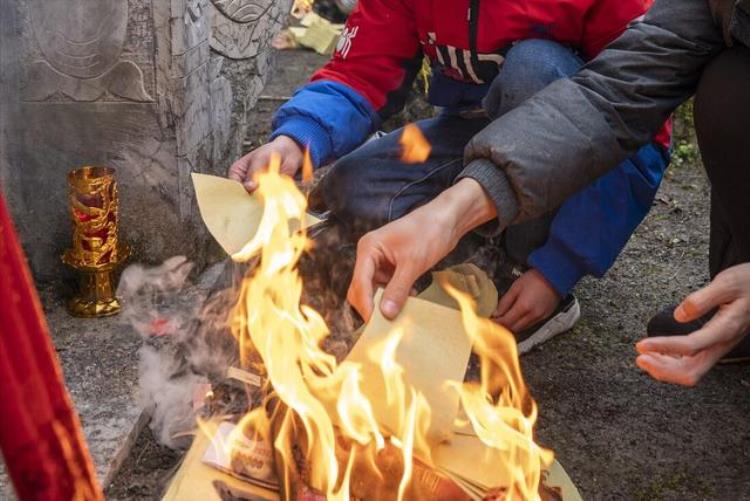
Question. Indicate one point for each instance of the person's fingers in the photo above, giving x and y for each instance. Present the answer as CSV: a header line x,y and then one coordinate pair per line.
x,y
397,291
382,276
506,301
257,164
511,318
668,369
522,323
360,290
685,371
674,345
239,168
702,301
722,328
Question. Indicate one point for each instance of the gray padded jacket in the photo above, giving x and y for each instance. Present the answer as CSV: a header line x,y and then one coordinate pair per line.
x,y
534,157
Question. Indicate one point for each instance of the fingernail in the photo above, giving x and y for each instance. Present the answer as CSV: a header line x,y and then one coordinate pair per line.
x,y
642,346
680,314
389,308
642,362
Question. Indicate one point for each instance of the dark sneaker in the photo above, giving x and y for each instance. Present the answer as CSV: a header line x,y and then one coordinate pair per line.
x,y
664,324
561,320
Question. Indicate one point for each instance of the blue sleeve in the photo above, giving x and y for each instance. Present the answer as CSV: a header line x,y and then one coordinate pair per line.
x,y
592,227
328,117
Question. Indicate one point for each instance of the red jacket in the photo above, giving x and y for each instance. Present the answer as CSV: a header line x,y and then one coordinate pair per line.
x,y
381,49
382,35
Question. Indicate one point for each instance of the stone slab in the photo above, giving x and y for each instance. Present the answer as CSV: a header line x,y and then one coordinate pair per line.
x,y
155,89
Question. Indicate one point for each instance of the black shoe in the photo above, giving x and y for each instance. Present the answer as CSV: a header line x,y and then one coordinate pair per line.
x,y
664,324
561,320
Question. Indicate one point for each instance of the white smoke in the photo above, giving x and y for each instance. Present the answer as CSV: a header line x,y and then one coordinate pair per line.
x,y
186,342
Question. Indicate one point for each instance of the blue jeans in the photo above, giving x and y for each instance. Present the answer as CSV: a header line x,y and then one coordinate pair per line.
x,y
371,186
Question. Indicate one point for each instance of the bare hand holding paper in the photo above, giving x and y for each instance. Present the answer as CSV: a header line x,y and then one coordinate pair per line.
x,y
231,214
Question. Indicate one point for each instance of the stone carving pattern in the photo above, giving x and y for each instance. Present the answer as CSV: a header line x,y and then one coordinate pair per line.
x,y
242,11
238,25
80,48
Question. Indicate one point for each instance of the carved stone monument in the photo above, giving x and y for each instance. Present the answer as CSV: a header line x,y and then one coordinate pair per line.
x,y
156,89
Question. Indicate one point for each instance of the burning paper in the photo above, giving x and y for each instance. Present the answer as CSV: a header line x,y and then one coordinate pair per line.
x,y
382,423
199,480
231,214
247,458
430,349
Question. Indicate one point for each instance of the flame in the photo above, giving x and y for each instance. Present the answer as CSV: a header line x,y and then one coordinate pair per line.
x,y
499,407
316,405
307,167
416,147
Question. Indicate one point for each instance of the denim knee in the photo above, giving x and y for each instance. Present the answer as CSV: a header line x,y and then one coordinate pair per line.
x,y
530,65
350,193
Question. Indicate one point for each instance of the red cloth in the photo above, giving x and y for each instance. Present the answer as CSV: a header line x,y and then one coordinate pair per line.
x,y
40,433
382,37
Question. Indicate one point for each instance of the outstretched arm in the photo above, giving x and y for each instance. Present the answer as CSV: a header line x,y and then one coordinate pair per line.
x,y
368,78
530,160
533,158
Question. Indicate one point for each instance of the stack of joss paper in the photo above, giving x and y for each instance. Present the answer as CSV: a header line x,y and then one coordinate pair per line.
x,y
434,349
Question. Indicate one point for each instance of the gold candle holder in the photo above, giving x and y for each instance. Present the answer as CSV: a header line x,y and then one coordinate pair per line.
x,y
96,252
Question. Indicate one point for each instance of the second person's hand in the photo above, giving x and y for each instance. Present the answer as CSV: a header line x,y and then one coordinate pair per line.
x,y
397,254
529,300
245,169
684,360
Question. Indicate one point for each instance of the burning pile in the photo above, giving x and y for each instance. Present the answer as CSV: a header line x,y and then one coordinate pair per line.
x,y
371,426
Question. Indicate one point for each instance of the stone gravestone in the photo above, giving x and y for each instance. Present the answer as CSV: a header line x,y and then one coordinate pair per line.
x,y
154,88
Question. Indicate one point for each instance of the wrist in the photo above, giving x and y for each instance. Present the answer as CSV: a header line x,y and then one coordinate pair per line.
x,y
289,143
306,133
465,206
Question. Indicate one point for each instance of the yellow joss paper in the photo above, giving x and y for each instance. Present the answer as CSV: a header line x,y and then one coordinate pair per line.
x,y
231,214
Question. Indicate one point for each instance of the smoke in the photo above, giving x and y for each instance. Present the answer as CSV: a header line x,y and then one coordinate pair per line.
x,y
186,340
187,344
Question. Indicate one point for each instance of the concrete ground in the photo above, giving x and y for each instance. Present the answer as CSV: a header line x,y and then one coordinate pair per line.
x,y
618,433
100,364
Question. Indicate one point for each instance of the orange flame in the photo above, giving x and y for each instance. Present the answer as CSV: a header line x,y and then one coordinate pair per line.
x,y
307,167
499,408
323,401
416,148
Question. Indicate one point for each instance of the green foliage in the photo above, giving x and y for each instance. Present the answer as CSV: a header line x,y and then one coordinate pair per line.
x,y
685,150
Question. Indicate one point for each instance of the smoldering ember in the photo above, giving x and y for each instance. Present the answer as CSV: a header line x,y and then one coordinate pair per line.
x,y
371,250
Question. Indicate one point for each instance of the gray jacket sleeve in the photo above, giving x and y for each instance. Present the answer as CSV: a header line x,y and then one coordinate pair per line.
x,y
534,157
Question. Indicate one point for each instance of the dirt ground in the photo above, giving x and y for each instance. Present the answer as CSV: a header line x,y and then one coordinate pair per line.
x,y
619,434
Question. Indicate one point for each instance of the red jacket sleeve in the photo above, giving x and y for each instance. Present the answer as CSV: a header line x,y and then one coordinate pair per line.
x,y
378,54
607,20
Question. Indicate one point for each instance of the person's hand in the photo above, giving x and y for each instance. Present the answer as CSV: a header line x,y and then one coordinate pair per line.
x,y
685,359
397,254
245,169
530,299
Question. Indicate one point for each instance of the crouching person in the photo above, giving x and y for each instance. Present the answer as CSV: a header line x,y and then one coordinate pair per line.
x,y
487,59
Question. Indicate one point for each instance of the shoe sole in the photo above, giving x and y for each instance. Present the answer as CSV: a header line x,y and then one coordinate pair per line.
x,y
562,322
